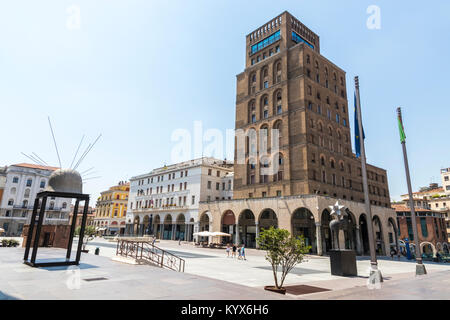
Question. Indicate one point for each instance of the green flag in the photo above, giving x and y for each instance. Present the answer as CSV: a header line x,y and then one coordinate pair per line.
x,y
402,132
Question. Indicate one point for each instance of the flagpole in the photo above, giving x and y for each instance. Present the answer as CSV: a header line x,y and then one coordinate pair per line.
x,y
375,273
420,267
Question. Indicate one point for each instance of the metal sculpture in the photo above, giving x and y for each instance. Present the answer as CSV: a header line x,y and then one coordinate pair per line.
x,y
339,223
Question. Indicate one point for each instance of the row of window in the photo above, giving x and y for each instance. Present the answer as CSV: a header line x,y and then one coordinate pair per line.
x,y
266,42
29,182
170,188
170,176
264,107
209,185
159,203
298,39
337,117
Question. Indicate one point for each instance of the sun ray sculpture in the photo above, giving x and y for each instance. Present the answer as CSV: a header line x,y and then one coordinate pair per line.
x,y
63,183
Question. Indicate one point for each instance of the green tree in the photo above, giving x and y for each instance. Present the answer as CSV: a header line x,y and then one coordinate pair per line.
x,y
282,251
89,233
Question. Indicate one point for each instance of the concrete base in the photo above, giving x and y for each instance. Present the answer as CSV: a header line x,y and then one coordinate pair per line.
x,y
420,270
343,263
375,276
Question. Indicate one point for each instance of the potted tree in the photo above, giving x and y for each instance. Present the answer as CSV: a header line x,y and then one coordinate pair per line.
x,y
89,234
283,252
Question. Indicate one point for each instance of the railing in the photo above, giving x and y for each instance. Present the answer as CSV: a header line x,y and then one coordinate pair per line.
x,y
146,251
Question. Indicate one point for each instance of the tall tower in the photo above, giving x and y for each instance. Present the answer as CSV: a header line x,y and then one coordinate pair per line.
x,y
289,86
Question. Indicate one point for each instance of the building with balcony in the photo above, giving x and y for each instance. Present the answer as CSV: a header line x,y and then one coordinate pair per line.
x,y
165,201
111,209
23,182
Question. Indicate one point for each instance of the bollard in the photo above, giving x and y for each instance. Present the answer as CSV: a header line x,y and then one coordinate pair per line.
x,y
97,251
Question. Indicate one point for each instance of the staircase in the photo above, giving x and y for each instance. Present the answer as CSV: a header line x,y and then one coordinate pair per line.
x,y
145,252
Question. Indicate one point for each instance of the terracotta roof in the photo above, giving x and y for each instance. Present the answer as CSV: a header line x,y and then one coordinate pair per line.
x,y
403,208
35,166
440,189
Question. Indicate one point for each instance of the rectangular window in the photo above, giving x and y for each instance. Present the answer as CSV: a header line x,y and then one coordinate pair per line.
x,y
209,184
298,39
266,42
193,199
266,84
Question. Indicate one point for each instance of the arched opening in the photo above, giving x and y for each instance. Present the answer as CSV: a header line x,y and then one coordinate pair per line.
x,y
157,226
364,234
247,229
167,231
350,233
146,225
135,226
180,228
393,235
191,230
204,226
267,219
228,226
325,220
428,251
445,248
303,224
379,239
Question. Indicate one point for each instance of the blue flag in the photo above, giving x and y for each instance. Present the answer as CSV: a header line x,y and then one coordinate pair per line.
x,y
357,136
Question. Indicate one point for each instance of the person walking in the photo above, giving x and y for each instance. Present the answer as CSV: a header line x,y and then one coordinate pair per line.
x,y
234,251
239,252
242,253
393,252
228,250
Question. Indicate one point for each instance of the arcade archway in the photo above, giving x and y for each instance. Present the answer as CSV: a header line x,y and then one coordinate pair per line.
x,y
247,229
167,231
364,234
228,223
303,224
325,220
379,238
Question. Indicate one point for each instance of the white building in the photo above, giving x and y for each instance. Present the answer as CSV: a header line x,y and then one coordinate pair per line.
x,y
23,182
165,201
445,176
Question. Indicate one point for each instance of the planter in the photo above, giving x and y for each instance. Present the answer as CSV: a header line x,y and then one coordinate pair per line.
x,y
275,289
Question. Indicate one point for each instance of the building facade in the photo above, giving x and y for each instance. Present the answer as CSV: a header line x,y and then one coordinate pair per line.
x,y
445,176
111,209
165,201
23,182
2,181
293,155
290,89
431,229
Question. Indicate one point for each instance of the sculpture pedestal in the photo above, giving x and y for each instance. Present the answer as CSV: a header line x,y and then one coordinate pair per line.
x,y
343,263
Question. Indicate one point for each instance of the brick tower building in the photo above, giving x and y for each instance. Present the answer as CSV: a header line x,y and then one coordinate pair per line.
x,y
288,85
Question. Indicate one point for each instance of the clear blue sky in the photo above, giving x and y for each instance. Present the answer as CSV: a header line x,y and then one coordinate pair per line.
x,y
137,70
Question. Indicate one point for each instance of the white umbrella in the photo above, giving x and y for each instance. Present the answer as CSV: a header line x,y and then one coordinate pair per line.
x,y
221,234
203,234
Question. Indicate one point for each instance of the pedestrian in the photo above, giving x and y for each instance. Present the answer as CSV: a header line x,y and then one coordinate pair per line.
x,y
154,240
393,252
228,250
234,251
239,252
179,242
242,254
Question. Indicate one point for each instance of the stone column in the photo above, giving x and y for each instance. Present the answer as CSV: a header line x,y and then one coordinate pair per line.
x,y
174,230
161,233
197,224
186,226
237,234
358,241
257,234
319,239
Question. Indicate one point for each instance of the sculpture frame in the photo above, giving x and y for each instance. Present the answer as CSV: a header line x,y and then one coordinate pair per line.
x,y
38,222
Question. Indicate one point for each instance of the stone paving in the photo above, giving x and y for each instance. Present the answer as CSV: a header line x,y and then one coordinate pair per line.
x,y
257,272
209,275
122,281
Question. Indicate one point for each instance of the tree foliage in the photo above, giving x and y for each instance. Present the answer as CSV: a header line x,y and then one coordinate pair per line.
x,y
282,251
89,232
